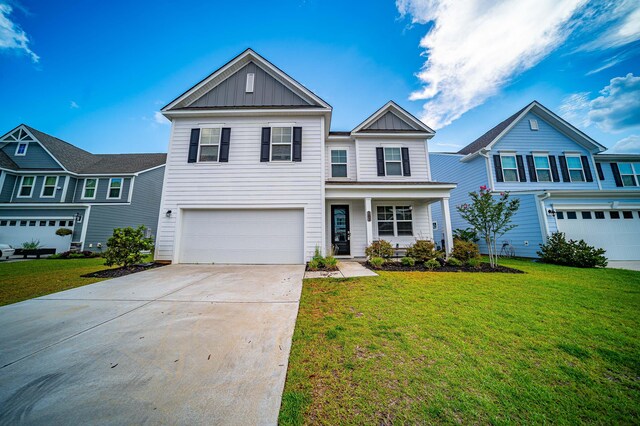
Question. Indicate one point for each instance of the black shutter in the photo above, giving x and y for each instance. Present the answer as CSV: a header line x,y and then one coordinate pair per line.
x,y
193,146
498,166
616,174
224,144
406,166
264,145
563,168
297,144
532,169
380,160
554,168
587,169
600,172
521,175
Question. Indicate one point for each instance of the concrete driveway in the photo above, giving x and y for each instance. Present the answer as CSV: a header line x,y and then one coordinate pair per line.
x,y
182,344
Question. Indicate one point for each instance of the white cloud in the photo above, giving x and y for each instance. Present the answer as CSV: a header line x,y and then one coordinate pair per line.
x,y
12,36
159,118
628,145
616,21
74,105
575,109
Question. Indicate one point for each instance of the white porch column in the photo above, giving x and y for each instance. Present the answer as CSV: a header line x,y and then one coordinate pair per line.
x,y
446,224
369,220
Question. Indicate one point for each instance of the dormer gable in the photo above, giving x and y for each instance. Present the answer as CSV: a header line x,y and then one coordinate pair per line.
x,y
21,149
392,118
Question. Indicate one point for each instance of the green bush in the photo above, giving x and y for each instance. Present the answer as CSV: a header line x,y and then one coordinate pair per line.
x,y
74,255
31,245
474,262
432,264
63,232
422,250
330,262
466,234
314,265
408,261
380,248
560,251
376,262
452,261
125,245
465,250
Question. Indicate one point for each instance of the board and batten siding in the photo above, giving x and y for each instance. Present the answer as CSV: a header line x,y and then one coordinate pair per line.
x,y
367,164
243,181
350,146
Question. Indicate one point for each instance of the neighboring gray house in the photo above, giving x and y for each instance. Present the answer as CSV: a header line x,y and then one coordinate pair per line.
x,y
47,184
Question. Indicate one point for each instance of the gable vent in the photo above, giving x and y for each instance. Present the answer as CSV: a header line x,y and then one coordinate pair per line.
x,y
533,124
250,79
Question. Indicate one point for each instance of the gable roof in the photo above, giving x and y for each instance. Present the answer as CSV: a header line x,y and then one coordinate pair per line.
x,y
192,98
6,162
493,135
392,118
124,163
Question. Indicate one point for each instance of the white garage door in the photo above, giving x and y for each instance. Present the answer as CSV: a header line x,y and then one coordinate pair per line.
x,y
268,236
618,232
16,231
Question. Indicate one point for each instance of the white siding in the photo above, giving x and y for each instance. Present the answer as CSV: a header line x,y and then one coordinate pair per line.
x,y
350,146
422,228
367,166
357,225
244,180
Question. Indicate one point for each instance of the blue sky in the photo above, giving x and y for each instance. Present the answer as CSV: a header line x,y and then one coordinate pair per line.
x,y
95,73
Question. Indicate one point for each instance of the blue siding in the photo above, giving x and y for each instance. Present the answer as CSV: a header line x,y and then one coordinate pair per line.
x,y
7,187
523,140
101,193
609,182
35,158
37,190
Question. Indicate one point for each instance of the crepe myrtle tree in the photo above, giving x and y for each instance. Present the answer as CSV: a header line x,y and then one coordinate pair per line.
x,y
490,217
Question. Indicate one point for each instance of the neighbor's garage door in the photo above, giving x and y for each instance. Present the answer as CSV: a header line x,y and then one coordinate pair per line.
x,y
616,231
269,236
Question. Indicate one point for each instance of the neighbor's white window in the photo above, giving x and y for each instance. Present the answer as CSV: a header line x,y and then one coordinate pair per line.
x,y
90,187
629,173
543,168
21,149
281,143
115,188
394,220
49,186
509,168
574,164
338,163
26,186
209,144
393,161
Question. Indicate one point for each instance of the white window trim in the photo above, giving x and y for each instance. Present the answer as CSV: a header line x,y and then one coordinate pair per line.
x,y
26,147
55,187
384,156
515,159
217,160
395,220
331,163
535,167
578,156
109,189
290,160
634,173
250,82
84,187
21,185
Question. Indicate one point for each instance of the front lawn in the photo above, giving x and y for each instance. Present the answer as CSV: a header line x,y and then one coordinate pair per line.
x,y
555,344
32,278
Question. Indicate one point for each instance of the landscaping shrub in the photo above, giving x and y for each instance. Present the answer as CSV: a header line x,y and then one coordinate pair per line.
x,y
432,264
380,248
465,250
466,234
318,259
376,262
330,262
124,247
31,245
474,262
560,251
63,232
408,261
74,255
422,250
314,265
452,261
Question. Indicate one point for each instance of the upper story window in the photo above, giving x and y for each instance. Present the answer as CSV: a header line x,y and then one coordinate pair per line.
x,y
509,168
115,188
543,168
574,165
394,221
21,149
209,144
49,186
393,161
90,187
338,163
629,173
26,186
281,143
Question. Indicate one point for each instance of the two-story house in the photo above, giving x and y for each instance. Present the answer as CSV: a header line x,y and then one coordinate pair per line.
x,y
561,176
254,174
47,184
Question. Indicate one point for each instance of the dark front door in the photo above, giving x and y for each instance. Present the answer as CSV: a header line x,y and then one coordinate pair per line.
x,y
340,233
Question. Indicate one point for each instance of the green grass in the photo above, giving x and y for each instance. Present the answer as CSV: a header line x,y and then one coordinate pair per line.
x,y
25,280
557,344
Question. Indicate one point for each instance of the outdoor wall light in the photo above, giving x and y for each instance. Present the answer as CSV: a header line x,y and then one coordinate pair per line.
x,y
368,216
168,213
551,212
78,217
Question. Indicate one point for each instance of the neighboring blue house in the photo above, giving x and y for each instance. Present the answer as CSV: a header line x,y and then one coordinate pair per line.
x,y
47,184
562,178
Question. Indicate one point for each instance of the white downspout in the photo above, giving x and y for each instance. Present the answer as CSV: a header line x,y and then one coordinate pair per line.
x,y
543,215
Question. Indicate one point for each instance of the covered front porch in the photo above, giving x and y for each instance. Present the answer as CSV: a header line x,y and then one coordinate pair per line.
x,y
358,213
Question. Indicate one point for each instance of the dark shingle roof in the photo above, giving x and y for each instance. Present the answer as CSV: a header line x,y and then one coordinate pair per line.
x,y
6,162
488,137
71,157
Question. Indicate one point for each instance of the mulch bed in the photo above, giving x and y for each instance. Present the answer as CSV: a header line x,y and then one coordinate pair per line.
x,y
483,267
123,270
324,269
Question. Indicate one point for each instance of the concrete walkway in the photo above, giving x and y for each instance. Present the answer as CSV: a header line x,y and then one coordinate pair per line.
x,y
346,269
182,344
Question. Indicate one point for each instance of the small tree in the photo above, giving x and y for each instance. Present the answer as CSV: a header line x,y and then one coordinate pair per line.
x,y
125,245
490,217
